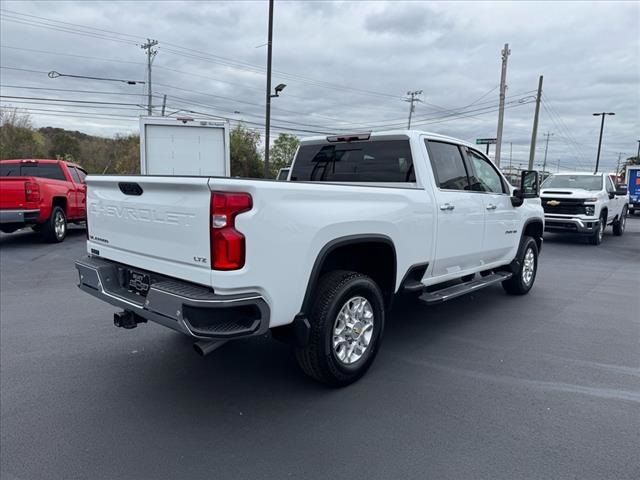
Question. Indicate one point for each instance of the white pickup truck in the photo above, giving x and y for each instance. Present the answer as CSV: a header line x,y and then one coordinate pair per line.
x,y
584,203
318,259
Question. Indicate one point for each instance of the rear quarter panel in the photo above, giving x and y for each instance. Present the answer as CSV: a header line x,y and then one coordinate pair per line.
x,y
291,222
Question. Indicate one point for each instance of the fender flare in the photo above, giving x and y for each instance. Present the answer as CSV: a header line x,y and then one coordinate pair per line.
x,y
335,244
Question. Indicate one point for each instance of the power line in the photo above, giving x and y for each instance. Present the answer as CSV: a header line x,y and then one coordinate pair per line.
x,y
68,23
65,30
23,69
88,57
71,90
85,30
67,100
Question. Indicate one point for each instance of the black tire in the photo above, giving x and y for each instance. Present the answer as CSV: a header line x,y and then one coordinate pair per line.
x,y
49,231
520,283
319,359
8,229
597,236
620,224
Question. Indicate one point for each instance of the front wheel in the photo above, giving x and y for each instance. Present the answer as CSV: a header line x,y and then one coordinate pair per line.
x,y
598,235
522,280
347,321
620,224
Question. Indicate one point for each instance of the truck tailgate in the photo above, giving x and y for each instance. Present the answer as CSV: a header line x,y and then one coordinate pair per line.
x,y
12,193
155,223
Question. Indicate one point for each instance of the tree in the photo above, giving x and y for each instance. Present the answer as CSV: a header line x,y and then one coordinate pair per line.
x,y
64,146
282,152
245,157
17,137
125,155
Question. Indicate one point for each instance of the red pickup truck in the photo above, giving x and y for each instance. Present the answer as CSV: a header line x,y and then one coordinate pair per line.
x,y
42,194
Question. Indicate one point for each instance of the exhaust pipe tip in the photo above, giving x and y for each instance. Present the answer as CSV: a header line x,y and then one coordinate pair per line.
x,y
204,348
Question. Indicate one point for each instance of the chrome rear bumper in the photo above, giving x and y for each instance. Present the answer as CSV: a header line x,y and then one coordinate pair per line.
x,y
191,309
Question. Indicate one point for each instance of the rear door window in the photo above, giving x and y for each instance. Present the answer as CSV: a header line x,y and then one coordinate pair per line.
x,y
372,161
82,174
448,165
74,175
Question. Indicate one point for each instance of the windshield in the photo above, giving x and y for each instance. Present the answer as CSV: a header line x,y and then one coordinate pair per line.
x,y
585,182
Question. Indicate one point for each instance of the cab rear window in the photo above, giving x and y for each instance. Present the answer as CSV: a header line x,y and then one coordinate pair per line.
x,y
41,170
373,161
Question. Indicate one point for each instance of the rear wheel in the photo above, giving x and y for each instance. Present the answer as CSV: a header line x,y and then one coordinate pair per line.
x,y
597,236
620,224
522,280
347,321
54,230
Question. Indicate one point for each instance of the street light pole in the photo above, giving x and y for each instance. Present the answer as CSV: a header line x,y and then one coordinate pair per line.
x,y
603,114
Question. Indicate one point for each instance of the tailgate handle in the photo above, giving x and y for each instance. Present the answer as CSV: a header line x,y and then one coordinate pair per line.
x,y
130,188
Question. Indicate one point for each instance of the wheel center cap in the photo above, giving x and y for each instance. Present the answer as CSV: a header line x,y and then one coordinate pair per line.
x,y
357,328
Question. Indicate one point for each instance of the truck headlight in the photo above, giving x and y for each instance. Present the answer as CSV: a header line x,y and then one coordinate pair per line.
x,y
590,210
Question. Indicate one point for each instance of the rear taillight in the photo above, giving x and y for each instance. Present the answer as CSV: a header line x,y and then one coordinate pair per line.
x,y
227,243
31,192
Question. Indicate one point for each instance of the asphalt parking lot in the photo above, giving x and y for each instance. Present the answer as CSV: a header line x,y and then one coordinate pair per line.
x,y
545,386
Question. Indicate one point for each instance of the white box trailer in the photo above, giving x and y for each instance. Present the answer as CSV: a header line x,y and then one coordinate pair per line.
x,y
184,146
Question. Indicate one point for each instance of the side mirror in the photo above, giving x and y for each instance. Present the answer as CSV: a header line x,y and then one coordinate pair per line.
x,y
529,188
529,184
612,195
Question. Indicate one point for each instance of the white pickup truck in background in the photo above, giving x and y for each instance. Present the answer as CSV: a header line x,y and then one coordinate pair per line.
x,y
584,203
317,259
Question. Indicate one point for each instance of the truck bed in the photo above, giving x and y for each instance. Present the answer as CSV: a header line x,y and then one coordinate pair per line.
x,y
163,225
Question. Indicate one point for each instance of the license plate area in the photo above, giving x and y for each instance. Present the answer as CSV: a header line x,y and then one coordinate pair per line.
x,y
137,282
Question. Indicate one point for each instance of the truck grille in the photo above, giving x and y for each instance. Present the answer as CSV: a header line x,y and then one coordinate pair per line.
x,y
563,206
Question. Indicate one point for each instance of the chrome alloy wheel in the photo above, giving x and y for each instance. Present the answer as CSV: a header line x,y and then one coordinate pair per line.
x,y
528,267
58,224
352,330
623,220
601,232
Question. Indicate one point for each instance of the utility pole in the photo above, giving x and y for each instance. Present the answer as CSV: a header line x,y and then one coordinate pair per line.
x,y
638,154
503,90
618,167
602,114
546,148
532,149
151,53
413,98
164,103
268,98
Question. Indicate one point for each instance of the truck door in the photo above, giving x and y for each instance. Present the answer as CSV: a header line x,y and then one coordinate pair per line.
x,y
501,218
460,212
614,203
76,195
82,193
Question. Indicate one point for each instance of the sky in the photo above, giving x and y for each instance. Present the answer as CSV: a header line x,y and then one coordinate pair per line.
x,y
347,65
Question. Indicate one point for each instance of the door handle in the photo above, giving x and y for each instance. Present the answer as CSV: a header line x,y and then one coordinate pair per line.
x,y
446,206
491,206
